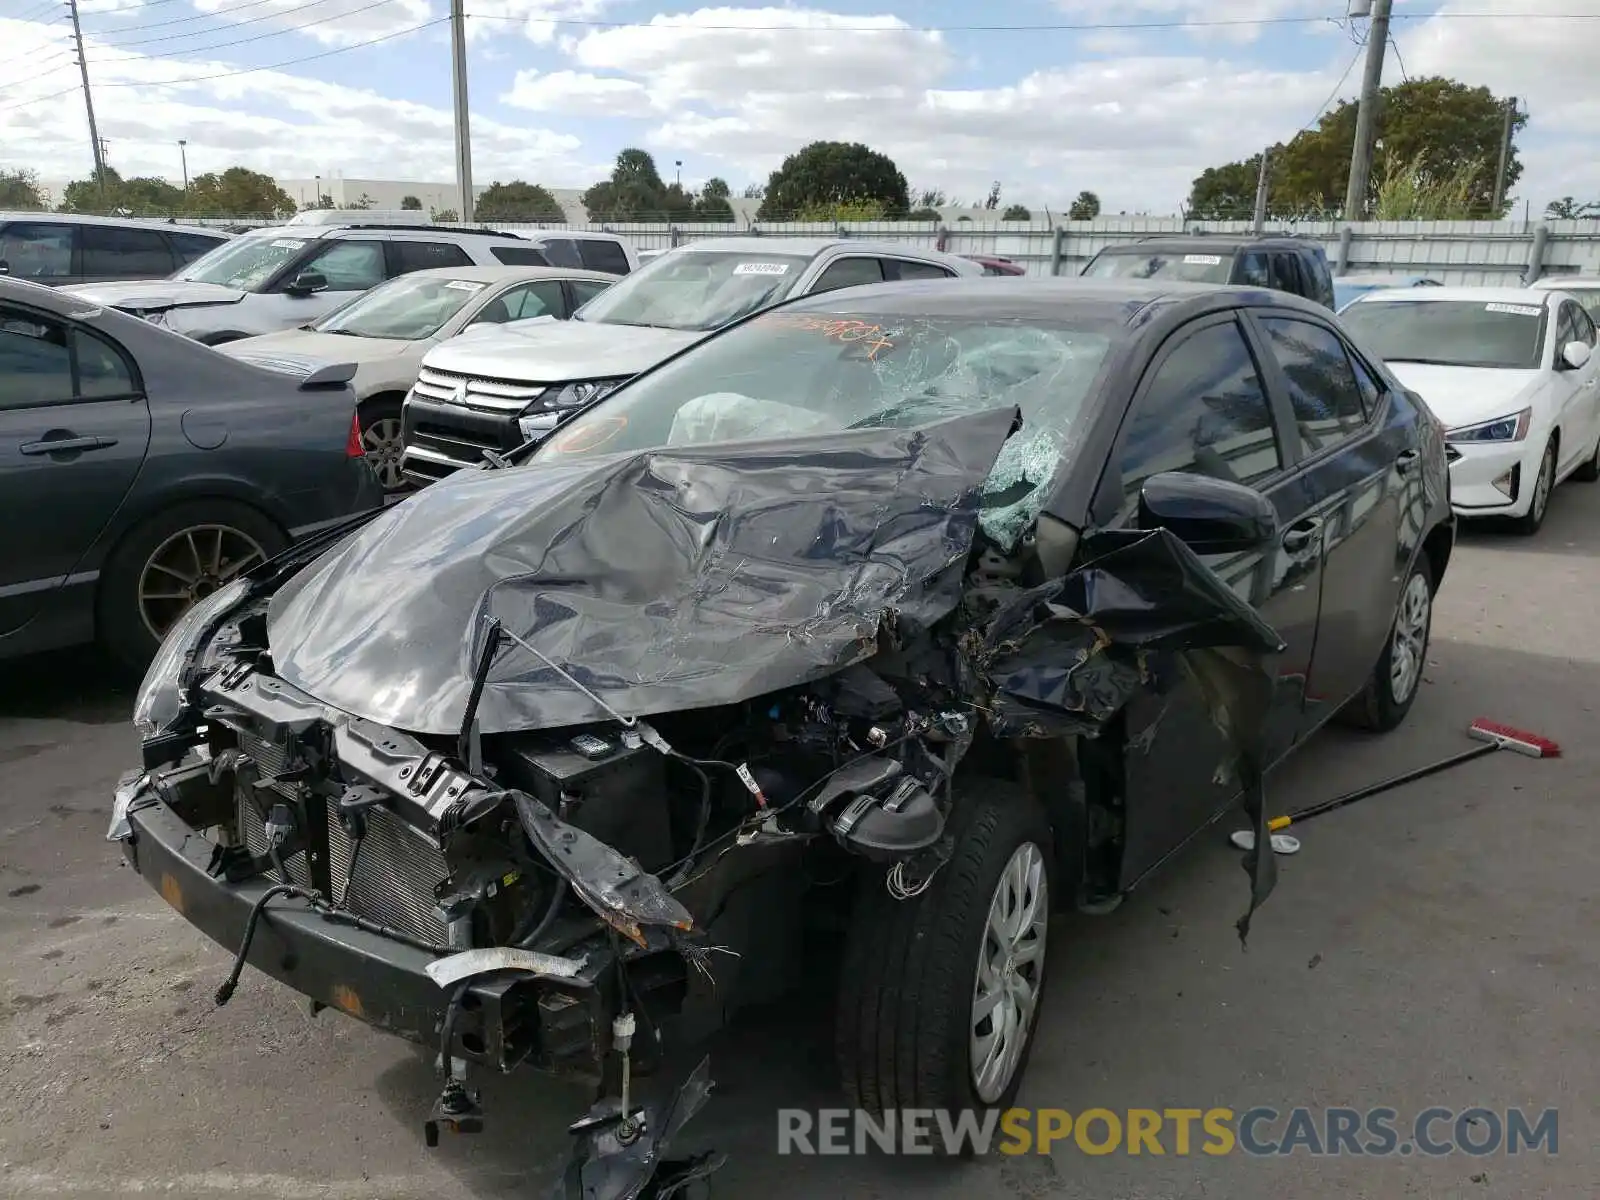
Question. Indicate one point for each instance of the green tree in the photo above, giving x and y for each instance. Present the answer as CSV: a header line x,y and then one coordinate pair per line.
x,y
834,173
1564,209
842,210
712,202
635,191
444,216
1428,127
149,196
1016,213
19,191
1085,208
239,192
518,201
930,198
96,194
924,214
410,203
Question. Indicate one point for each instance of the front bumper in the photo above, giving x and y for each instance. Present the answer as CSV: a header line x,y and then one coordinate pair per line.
x,y
504,1021
1493,479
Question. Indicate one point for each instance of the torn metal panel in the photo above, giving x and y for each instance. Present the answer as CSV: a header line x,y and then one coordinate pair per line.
x,y
664,580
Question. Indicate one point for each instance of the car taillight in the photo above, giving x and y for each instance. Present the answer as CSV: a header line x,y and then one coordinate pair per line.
x,y
352,446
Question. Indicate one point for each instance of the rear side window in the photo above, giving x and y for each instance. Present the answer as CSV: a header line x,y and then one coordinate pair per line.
x,y
43,362
849,272
906,269
186,247
561,252
1204,412
116,253
38,250
1323,389
602,254
420,256
520,256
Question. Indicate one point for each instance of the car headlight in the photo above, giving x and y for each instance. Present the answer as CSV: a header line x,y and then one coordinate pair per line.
x,y
576,395
1502,429
160,699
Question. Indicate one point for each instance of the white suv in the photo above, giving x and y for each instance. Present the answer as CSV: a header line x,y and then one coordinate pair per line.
x,y
281,278
493,389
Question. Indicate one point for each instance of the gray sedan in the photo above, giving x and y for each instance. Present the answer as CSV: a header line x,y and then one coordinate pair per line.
x,y
140,470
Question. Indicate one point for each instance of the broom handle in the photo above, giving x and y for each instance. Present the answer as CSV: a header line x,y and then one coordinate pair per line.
x,y
1327,806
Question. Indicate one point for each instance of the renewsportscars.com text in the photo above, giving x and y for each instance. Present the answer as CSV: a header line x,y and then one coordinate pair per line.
x,y
1257,1132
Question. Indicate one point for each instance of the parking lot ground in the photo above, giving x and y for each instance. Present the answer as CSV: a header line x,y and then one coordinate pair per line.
x,y
1435,946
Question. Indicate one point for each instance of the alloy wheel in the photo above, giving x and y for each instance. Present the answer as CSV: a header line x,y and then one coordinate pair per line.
x,y
188,566
1543,485
382,441
1010,972
1406,656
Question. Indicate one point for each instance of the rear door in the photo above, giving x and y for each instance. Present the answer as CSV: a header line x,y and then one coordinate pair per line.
x,y
1204,406
1358,476
114,252
74,428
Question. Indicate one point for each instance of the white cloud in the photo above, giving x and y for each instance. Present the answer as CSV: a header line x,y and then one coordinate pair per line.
x,y
578,93
538,19
330,22
1238,21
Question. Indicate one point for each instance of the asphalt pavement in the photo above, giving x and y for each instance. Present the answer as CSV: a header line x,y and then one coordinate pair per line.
x,y
1433,947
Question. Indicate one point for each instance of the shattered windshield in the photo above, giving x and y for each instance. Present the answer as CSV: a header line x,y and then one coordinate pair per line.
x,y
697,290
795,373
1160,264
245,263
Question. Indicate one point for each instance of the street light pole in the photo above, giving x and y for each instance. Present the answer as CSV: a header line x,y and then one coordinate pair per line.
x,y
678,164
1355,196
183,155
458,73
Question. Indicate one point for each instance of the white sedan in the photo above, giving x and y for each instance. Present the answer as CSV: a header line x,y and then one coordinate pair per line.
x,y
1585,289
1513,376
387,331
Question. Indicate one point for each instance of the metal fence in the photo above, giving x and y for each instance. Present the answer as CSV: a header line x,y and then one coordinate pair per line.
x,y
1453,252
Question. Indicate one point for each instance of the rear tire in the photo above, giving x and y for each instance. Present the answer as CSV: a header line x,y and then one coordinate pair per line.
x,y
912,983
170,560
1544,483
380,422
1392,687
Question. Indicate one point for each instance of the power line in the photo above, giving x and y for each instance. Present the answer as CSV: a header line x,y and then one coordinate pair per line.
x,y
205,16
1395,46
172,37
1324,105
61,62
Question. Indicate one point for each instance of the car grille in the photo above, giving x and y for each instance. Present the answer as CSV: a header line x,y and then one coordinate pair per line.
x,y
509,396
396,872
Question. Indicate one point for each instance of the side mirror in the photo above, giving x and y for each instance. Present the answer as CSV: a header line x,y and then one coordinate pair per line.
x,y
1211,516
1575,354
307,282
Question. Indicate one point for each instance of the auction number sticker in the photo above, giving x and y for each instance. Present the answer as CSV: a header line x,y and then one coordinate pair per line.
x,y
1516,310
759,268
287,244
1203,260
464,285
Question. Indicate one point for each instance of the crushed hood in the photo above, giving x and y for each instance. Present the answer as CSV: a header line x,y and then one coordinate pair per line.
x,y
156,295
1466,395
663,580
545,350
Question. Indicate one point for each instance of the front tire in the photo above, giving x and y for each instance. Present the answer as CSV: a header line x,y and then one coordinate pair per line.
x,y
381,426
1392,687
940,994
1539,503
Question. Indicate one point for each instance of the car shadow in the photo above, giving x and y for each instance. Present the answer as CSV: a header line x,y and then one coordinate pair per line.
x,y
81,685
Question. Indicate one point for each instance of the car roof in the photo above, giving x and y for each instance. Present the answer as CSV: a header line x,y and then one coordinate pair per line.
x,y
123,222
476,274
1468,295
1211,241
580,234
809,247
1377,277
1566,283
310,233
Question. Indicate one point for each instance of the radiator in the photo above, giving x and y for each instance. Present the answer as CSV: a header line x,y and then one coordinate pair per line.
x,y
396,872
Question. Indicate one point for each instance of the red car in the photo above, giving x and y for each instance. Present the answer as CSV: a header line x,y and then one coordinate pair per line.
x,y
997,266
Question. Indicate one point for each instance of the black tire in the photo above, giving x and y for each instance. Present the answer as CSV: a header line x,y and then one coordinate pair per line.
x,y
1377,707
1589,472
1529,524
120,618
383,413
904,1021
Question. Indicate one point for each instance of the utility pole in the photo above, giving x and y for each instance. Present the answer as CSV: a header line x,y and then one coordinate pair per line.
x,y
1260,219
88,101
1505,160
458,72
183,155
1355,196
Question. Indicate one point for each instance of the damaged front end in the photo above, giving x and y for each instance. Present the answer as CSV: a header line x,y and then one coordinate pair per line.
x,y
539,767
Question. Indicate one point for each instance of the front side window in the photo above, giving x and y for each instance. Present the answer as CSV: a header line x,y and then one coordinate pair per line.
x,y
585,290
541,298
110,251
408,308
1204,412
246,263
37,250
1450,333
696,289
1138,262
848,272
1323,389
1285,278
349,266
1253,270
1586,330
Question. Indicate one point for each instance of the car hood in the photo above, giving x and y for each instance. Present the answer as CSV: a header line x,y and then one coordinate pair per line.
x,y
663,580
301,350
1462,396
155,295
545,350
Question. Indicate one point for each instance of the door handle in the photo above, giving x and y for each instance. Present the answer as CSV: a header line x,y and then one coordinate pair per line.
x,y
1301,534
1405,460
66,445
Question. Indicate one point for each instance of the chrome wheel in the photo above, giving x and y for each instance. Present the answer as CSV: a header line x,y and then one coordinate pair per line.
x,y
1543,484
188,566
1010,971
1410,638
381,440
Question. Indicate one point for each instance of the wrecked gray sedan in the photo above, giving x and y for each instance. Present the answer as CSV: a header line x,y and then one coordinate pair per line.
x,y
979,598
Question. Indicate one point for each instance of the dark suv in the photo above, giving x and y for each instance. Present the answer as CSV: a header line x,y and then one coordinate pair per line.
x,y
1285,264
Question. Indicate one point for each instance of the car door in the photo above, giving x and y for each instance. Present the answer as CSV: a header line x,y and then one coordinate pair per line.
x,y
1574,390
117,252
349,265
41,251
1359,477
74,427
1204,406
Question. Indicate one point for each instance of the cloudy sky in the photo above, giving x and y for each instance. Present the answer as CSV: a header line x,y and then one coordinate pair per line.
x,y
1128,98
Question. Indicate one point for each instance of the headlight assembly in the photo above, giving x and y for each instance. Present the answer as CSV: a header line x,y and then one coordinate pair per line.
x,y
1502,429
160,701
